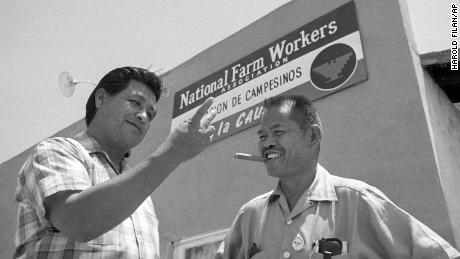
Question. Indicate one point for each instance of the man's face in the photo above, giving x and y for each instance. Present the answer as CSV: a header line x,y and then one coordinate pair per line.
x,y
286,146
127,115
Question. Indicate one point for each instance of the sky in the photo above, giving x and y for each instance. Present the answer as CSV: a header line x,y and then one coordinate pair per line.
x,y
88,38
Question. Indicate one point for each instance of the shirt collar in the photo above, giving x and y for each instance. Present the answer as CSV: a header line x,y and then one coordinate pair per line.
x,y
89,143
322,188
93,146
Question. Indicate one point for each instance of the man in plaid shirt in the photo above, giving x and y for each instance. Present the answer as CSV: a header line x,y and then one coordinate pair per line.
x,y
76,197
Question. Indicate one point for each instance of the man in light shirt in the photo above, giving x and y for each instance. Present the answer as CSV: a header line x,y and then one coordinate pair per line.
x,y
314,214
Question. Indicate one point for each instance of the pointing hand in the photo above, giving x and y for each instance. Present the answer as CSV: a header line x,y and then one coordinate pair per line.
x,y
193,135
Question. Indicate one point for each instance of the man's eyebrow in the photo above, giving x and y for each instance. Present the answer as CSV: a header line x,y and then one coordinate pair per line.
x,y
276,126
135,94
271,128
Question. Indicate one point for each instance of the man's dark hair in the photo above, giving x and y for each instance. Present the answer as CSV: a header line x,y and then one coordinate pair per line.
x,y
302,109
117,80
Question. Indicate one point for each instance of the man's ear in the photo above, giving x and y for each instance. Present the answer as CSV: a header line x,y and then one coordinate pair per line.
x,y
316,134
99,97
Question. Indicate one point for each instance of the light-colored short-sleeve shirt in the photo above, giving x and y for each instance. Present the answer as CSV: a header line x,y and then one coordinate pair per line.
x,y
365,221
61,164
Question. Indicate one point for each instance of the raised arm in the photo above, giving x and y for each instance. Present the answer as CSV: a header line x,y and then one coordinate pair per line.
x,y
85,214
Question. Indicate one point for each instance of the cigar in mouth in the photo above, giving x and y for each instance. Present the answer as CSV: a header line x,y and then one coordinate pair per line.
x,y
250,157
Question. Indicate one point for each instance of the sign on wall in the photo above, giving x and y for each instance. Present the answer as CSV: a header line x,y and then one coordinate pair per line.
x,y
318,59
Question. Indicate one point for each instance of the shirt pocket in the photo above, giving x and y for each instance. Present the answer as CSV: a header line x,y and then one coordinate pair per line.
x,y
266,254
321,256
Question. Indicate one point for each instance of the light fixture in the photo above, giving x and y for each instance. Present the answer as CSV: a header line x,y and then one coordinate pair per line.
x,y
67,83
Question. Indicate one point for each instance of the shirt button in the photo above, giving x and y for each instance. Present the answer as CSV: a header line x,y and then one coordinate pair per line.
x,y
289,222
286,255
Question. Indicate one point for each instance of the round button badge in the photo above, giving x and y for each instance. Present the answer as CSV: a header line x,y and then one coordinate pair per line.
x,y
298,243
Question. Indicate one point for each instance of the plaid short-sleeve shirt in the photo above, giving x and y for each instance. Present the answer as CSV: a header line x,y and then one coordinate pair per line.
x,y
60,164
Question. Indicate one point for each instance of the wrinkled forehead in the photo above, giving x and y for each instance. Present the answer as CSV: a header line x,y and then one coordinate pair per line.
x,y
138,89
279,114
284,109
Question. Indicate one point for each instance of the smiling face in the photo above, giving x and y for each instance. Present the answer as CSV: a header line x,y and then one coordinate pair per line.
x,y
124,118
289,149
